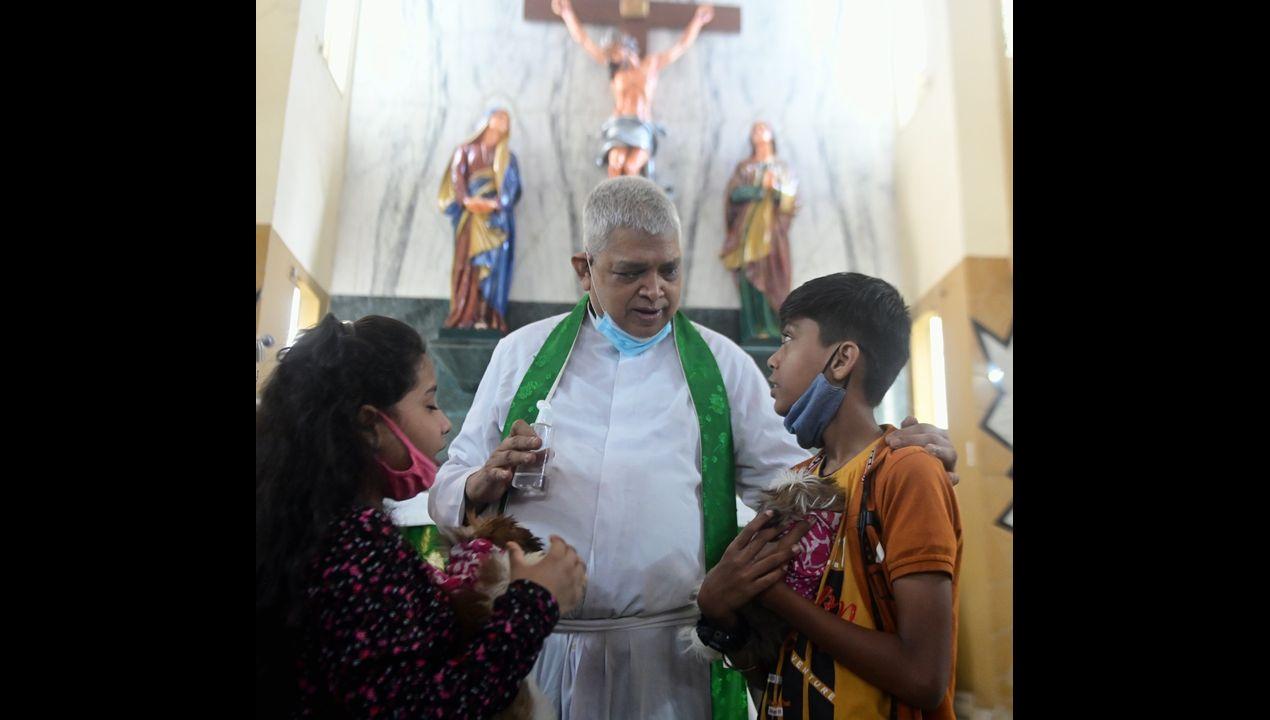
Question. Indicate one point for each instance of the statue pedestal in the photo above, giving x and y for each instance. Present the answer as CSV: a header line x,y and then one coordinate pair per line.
x,y
461,356
464,353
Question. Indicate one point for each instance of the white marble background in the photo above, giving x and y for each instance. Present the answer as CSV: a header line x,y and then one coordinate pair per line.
x,y
426,71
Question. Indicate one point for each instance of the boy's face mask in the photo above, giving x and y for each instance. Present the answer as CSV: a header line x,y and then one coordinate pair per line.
x,y
816,407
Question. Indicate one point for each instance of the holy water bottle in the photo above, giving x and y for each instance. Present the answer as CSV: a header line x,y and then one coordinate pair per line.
x,y
530,478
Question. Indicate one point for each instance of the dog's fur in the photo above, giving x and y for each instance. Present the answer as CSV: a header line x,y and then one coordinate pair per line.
x,y
791,496
473,606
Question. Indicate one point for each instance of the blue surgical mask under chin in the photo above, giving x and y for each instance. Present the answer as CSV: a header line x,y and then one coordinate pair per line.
x,y
627,344
815,409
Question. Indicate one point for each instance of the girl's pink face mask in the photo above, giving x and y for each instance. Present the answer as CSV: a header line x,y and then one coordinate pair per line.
x,y
405,484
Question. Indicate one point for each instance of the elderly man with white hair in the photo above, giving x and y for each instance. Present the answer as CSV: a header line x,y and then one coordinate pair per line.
x,y
658,425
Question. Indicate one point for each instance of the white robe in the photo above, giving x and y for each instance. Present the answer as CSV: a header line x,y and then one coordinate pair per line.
x,y
624,488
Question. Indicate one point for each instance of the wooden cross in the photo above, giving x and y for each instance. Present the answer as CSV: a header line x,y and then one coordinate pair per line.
x,y
636,18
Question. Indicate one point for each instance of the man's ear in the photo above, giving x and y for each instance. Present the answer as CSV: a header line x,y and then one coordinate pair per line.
x,y
582,270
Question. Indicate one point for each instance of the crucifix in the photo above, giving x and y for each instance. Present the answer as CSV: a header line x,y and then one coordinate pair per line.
x,y
630,135
634,19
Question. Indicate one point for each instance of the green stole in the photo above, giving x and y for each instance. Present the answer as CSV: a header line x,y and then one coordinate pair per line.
x,y
428,541
718,491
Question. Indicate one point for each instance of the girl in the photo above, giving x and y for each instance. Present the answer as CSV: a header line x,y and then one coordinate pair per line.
x,y
348,621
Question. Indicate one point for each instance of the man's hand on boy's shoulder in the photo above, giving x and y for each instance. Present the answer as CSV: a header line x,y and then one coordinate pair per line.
x,y
934,440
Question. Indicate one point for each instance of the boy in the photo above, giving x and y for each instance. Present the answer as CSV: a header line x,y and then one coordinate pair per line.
x,y
885,648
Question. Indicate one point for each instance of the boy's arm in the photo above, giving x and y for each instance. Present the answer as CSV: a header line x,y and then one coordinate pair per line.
x,y
913,664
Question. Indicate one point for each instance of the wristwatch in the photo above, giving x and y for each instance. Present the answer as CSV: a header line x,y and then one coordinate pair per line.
x,y
720,640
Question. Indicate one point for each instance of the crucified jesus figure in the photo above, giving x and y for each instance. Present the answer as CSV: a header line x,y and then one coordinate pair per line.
x,y
630,135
